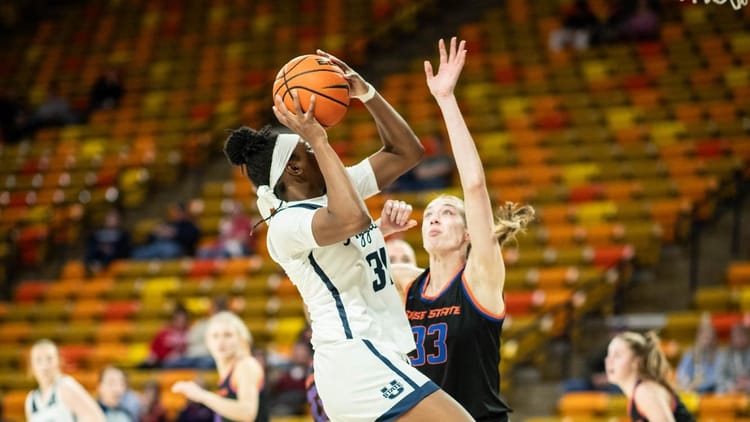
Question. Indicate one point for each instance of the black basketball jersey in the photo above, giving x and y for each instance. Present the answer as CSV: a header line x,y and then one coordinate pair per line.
x,y
680,412
229,391
458,346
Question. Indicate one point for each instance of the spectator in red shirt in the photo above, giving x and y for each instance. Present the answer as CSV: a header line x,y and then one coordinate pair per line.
x,y
170,343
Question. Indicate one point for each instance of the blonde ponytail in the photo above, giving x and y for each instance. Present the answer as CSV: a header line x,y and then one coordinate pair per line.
x,y
510,219
652,364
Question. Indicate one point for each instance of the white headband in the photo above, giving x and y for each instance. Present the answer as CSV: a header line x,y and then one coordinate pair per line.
x,y
282,151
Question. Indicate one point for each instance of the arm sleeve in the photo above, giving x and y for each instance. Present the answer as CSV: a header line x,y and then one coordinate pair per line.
x,y
364,179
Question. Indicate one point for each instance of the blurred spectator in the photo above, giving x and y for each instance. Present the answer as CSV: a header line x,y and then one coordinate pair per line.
x,y
594,374
642,24
195,411
153,410
235,238
174,238
131,401
13,116
578,25
170,343
734,363
400,252
111,389
54,111
433,172
290,390
697,370
106,91
107,243
198,355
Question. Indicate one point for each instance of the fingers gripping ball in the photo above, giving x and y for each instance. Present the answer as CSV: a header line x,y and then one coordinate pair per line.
x,y
312,74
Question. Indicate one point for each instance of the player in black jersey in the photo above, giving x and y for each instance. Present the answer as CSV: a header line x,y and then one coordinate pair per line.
x,y
636,364
242,392
455,307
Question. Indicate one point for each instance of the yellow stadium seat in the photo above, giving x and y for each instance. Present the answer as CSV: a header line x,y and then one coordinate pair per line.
x,y
136,354
718,298
738,274
13,404
160,287
513,106
736,77
740,43
621,117
574,174
583,404
666,132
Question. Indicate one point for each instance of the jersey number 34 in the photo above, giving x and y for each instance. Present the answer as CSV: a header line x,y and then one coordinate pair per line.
x,y
377,261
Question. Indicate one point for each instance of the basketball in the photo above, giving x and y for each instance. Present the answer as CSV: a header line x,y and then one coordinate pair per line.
x,y
312,74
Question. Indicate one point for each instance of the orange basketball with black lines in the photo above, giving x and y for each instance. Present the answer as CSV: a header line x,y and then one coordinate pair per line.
x,y
312,74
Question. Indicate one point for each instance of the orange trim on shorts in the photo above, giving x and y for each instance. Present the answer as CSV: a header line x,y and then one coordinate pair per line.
x,y
476,303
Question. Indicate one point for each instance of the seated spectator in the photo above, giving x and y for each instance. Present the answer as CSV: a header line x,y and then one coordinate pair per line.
x,y
111,389
642,24
433,172
152,409
107,243
594,374
106,91
170,343
577,27
174,238
289,391
697,370
54,111
198,355
734,364
235,236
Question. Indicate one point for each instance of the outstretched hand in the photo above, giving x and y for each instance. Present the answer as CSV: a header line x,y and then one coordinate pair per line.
x,y
451,64
189,389
395,217
302,123
357,84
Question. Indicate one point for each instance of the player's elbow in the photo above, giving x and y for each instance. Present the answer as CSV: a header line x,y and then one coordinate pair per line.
x,y
474,183
356,222
415,152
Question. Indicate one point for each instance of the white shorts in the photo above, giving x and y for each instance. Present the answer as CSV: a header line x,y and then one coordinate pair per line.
x,y
357,381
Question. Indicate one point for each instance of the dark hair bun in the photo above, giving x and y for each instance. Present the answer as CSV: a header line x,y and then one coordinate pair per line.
x,y
244,143
237,144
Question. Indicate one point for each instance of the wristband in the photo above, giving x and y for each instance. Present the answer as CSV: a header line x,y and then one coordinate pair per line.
x,y
367,96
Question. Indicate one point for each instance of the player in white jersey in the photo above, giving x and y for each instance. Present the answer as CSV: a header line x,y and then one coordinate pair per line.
x,y
322,235
59,397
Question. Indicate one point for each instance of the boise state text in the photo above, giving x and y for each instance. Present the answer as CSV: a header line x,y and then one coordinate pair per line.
x,y
433,313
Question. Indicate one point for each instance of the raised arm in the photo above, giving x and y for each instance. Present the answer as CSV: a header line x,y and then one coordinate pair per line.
x,y
80,402
401,148
485,268
247,375
346,213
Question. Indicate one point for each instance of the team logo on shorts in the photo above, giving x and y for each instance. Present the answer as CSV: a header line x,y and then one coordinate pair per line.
x,y
392,390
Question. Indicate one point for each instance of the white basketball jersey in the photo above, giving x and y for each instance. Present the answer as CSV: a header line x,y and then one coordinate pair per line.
x,y
54,410
347,286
